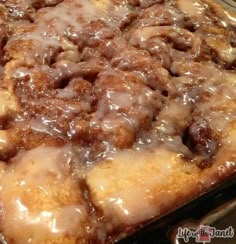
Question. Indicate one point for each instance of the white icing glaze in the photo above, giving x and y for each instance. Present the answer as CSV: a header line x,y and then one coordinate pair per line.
x,y
121,105
192,8
40,194
7,102
34,206
137,191
68,18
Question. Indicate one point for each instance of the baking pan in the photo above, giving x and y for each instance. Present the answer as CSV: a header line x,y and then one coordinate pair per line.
x,y
161,230
221,218
230,4
220,201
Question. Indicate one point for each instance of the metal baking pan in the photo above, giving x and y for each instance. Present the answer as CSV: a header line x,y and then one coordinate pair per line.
x,y
230,4
161,230
217,205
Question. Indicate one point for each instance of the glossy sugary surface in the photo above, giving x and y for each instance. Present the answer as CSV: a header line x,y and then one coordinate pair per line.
x,y
112,113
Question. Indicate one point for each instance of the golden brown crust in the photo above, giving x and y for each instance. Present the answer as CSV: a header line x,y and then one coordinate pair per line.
x,y
112,113
228,14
